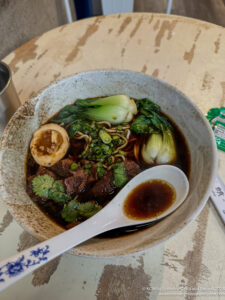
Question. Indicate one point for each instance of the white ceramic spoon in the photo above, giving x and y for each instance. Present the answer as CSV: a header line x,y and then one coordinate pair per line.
x,y
110,217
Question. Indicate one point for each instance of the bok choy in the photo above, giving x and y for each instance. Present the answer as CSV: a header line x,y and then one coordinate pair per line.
x,y
159,148
167,152
114,109
151,148
160,145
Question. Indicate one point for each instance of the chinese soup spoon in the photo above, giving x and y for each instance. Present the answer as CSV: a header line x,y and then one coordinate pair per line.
x,y
112,216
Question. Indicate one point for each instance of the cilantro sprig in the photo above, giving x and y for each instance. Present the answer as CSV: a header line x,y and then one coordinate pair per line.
x,y
76,211
46,186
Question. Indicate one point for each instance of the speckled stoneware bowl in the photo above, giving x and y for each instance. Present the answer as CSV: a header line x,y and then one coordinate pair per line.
x,y
38,110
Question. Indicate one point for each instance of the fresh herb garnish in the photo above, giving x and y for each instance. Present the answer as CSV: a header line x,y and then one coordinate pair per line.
x,y
46,186
119,175
74,166
76,211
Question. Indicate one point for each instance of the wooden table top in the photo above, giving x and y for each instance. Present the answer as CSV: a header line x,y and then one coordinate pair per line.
x,y
190,55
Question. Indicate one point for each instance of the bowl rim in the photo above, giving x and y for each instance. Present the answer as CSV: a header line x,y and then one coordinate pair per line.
x,y
191,218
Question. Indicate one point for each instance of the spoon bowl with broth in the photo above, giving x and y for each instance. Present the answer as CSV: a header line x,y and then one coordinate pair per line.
x,y
148,197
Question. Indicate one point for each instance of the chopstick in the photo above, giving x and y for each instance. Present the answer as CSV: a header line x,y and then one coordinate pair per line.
x,y
218,197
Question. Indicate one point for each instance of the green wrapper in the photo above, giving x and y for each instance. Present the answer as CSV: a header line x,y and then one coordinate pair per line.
x,y
216,117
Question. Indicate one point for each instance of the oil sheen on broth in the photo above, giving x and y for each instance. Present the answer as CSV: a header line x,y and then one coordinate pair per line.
x,y
149,199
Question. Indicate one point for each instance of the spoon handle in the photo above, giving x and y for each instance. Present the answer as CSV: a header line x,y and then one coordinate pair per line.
x,y
17,266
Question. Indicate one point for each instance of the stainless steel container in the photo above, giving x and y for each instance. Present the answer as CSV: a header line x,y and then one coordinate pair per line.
x,y
9,101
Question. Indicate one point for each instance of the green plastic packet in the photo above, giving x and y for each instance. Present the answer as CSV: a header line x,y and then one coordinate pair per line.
x,y
216,117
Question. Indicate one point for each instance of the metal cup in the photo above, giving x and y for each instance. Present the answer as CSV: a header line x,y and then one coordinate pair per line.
x,y
9,101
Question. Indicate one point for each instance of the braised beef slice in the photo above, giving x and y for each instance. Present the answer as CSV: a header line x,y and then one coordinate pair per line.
x,y
62,167
44,171
84,162
132,168
93,176
104,186
77,183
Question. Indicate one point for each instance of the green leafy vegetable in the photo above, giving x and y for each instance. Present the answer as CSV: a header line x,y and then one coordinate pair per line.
x,y
57,192
80,125
147,105
115,100
88,209
167,153
151,148
119,175
76,211
67,111
65,121
150,119
58,197
68,115
143,125
159,148
46,186
160,122
41,185
114,109
70,212
111,113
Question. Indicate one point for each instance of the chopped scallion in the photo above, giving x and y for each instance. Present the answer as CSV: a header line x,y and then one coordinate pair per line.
x,y
74,166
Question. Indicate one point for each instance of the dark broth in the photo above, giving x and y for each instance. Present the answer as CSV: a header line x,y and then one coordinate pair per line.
x,y
53,209
149,199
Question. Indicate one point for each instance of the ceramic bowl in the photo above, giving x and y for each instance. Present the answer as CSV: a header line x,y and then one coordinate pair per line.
x,y
38,110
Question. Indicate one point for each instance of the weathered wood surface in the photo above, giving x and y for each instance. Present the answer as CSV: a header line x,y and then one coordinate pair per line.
x,y
187,53
207,10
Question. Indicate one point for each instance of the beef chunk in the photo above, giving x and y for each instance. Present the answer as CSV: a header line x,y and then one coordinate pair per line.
x,y
93,176
84,162
82,178
104,186
132,168
44,171
77,183
62,167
